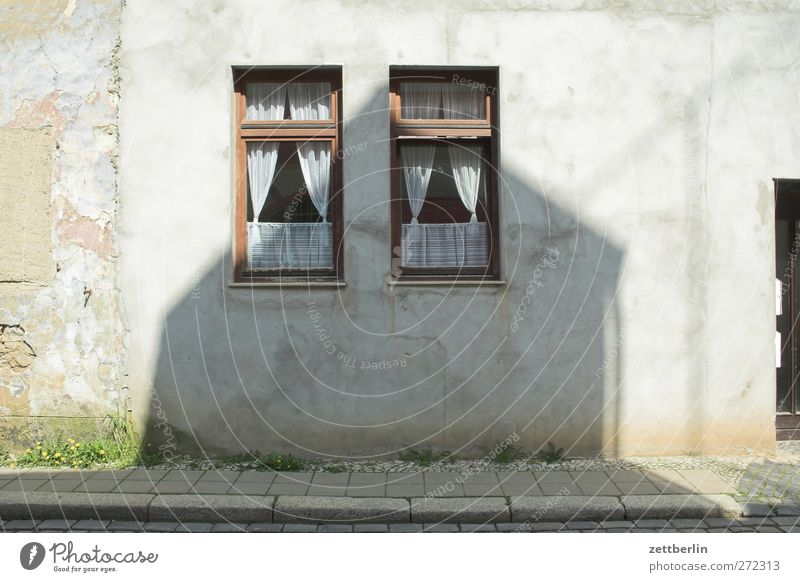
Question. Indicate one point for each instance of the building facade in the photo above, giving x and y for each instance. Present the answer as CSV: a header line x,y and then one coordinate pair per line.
x,y
346,229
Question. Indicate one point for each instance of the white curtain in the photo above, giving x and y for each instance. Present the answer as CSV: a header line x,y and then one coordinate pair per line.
x,y
420,100
417,160
466,163
463,244
261,161
289,245
265,101
310,100
315,163
463,102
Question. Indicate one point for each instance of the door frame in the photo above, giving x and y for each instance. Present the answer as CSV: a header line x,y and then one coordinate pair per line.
x,y
787,207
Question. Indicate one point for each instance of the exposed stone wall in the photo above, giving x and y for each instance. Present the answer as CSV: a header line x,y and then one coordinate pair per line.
x,y
61,317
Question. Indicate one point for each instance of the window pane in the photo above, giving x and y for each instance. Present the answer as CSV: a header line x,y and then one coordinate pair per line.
x,y
423,100
444,233
442,201
266,101
306,101
289,233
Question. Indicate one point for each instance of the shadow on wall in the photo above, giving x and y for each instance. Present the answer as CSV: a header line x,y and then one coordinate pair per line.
x,y
457,369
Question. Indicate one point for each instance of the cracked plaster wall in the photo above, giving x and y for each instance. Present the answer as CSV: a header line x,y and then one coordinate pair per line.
x,y
61,324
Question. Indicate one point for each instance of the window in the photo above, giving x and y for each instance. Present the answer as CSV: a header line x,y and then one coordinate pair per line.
x,y
288,186
444,205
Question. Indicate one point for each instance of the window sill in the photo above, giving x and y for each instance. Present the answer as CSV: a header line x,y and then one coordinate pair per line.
x,y
288,283
445,283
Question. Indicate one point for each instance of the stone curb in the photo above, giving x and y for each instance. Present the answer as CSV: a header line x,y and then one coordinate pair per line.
x,y
104,506
211,508
342,510
351,510
679,506
459,510
565,508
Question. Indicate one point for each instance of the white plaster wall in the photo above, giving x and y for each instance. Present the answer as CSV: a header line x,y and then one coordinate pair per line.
x,y
638,140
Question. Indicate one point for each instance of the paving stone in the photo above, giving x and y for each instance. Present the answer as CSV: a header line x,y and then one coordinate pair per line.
x,y
753,521
211,487
134,487
459,510
754,509
785,510
548,476
599,489
545,526
626,475
442,527
334,479
249,488
370,528
717,522
160,526
554,489
508,527
264,527
679,506
211,509
480,478
20,525
97,486
229,527
63,485
299,528
642,488
195,527
768,529
790,529
405,528
287,489
366,490
565,508
477,527
786,520
410,490
90,525
224,476
368,479
485,489
617,523
335,528
182,476
330,491
172,487
125,526
582,525
683,523
341,509
652,523
56,523
256,477
527,489
153,475
23,485
40,505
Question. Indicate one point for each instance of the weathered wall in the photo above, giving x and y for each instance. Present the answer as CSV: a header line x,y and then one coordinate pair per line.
x,y
61,322
638,141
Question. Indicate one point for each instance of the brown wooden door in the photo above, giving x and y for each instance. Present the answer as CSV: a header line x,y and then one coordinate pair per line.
x,y
787,306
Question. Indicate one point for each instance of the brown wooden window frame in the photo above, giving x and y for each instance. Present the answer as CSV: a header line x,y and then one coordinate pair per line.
x,y
445,131
248,130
